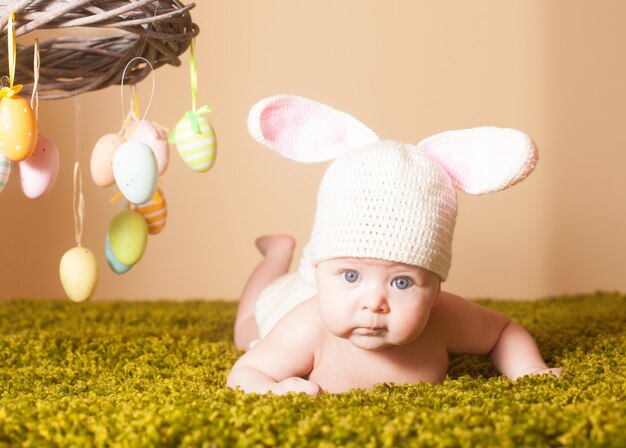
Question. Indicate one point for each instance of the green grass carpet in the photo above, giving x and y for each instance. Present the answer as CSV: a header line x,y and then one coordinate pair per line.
x,y
153,374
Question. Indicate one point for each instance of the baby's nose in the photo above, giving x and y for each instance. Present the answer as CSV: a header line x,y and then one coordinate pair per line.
x,y
376,302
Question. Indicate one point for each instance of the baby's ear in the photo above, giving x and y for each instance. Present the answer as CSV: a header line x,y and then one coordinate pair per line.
x,y
483,160
304,130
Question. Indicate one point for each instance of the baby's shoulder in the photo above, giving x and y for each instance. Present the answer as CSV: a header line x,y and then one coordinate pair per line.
x,y
448,305
449,311
303,320
456,308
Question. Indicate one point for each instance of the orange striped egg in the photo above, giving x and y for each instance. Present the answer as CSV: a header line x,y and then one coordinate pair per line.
x,y
154,212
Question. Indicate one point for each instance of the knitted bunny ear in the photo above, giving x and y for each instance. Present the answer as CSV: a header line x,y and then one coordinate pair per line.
x,y
304,130
483,160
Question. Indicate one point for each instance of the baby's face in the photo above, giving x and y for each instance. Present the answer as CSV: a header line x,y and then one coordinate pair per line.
x,y
375,304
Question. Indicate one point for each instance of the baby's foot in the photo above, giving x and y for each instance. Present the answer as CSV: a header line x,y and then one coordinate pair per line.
x,y
276,245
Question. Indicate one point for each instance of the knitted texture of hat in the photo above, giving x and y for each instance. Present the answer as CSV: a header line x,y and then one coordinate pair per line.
x,y
389,201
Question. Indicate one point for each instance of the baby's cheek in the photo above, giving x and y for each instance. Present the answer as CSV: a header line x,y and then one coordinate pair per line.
x,y
409,326
335,323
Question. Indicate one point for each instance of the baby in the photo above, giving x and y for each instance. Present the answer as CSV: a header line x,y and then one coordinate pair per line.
x,y
366,305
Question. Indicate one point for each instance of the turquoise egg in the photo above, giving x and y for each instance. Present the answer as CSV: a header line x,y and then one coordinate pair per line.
x,y
116,266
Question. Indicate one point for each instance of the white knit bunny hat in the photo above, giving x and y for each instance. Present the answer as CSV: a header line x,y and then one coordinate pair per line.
x,y
384,199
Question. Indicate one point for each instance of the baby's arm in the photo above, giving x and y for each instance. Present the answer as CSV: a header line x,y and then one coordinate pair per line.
x,y
473,329
516,354
278,362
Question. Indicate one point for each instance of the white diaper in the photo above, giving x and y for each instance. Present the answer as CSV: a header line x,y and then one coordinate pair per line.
x,y
280,297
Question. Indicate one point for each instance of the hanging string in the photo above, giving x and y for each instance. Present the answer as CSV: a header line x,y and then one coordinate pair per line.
x,y
150,26
134,109
34,99
12,49
122,88
194,113
134,101
133,113
193,74
12,89
78,203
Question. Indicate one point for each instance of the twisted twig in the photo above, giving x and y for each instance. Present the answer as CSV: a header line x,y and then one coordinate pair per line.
x,y
158,30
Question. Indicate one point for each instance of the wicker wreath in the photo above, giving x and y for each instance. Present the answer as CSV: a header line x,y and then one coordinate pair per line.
x,y
157,30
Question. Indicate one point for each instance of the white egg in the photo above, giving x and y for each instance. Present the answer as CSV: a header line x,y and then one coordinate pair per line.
x,y
156,138
136,171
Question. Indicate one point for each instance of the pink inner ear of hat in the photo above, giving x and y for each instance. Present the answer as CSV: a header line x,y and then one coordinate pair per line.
x,y
308,131
483,160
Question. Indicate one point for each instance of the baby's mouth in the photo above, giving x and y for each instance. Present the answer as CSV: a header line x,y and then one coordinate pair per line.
x,y
369,331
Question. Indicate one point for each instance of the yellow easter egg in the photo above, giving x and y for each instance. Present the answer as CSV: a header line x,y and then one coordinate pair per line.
x,y
154,212
198,150
128,235
18,128
79,273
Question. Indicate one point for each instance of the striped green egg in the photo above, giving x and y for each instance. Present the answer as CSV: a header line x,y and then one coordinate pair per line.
x,y
198,150
5,171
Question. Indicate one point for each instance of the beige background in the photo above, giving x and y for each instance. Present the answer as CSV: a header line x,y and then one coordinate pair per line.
x,y
408,69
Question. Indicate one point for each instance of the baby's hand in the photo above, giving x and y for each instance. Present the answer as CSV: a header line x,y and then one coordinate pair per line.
x,y
295,384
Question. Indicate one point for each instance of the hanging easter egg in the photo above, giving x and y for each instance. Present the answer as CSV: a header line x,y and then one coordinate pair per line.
x,y
116,266
128,236
5,171
195,140
154,212
79,273
39,172
102,159
155,137
135,171
18,128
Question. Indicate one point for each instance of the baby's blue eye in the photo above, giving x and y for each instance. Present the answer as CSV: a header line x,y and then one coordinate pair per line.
x,y
402,283
351,276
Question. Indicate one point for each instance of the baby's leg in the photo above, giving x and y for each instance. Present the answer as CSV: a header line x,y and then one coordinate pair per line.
x,y
277,252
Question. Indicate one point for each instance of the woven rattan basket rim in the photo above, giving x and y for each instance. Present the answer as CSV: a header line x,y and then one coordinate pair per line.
x,y
157,30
